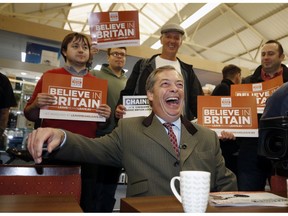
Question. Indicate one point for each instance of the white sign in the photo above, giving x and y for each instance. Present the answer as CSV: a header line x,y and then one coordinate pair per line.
x,y
136,105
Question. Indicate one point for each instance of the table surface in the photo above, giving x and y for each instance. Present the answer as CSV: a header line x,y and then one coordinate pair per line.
x,y
38,203
171,204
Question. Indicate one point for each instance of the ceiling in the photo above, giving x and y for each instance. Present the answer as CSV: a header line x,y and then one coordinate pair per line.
x,y
231,33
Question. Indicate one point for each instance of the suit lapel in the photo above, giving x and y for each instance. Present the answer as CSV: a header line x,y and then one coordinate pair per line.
x,y
156,131
187,143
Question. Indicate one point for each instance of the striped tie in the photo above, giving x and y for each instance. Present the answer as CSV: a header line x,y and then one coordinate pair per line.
x,y
172,137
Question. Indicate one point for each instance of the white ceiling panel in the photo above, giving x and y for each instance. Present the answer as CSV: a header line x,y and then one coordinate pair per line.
x,y
231,33
275,26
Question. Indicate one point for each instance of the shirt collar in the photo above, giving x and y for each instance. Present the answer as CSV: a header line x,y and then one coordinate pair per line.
x,y
72,71
176,123
266,76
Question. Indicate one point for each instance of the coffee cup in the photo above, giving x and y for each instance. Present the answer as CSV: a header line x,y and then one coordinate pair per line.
x,y
194,190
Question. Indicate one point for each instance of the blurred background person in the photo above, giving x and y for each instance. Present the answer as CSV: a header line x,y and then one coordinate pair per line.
x,y
231,75
7,100
108,177
275,109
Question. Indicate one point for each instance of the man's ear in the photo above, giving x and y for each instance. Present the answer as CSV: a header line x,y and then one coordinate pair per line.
x,y
150,95
161,39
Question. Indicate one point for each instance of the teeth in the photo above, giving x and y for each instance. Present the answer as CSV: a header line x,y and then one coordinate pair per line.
x,y
172,99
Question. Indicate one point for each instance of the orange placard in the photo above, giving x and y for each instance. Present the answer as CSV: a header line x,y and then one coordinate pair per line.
x,y
77,98
114,28
261,90
234,114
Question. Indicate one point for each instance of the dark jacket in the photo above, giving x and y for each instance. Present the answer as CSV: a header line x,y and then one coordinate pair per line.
x,y
223,89
229,147
136,83
256,76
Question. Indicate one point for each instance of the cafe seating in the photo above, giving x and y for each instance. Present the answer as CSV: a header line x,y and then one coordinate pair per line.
x,y
40,180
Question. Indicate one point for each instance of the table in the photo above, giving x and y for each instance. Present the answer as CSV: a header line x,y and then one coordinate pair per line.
x,y
38,203
171,204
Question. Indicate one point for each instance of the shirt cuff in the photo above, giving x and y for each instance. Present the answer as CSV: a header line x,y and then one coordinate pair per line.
x,y
64,140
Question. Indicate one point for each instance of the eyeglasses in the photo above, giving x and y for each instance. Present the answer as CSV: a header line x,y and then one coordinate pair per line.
x,y
116,54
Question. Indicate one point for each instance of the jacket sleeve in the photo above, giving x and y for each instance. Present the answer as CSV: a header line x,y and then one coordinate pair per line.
x,y
131,82
195,89
221,90
105,150
225,179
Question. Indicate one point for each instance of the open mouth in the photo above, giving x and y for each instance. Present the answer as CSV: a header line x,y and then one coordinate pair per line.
x,y
172,100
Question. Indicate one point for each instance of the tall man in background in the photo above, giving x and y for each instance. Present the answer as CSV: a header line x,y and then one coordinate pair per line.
x,y
171,39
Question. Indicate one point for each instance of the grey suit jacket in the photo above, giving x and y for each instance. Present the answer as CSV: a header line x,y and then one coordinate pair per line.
x,y
141,145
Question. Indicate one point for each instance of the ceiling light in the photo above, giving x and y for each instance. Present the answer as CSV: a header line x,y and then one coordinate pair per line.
x,y
199,14
23,73
192,19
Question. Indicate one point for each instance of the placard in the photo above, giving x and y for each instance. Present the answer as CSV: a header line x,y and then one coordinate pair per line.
x,y
114,28
77,98
261,90
136,105
232,114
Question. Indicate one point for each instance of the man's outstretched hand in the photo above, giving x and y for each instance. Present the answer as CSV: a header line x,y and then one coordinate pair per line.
x,y
44,139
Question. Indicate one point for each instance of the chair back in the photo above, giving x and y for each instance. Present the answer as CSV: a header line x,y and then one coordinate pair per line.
x,y
278,184
40,180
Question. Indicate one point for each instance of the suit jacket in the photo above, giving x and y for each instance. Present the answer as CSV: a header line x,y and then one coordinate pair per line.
x,y
141,145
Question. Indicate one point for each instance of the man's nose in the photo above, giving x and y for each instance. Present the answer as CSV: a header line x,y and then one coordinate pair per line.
x,y
174,88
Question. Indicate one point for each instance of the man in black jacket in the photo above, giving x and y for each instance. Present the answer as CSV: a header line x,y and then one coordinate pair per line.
x,y
171,38
7,100
254,170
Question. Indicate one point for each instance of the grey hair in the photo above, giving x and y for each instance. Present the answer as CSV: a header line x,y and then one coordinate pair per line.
x,y
150,82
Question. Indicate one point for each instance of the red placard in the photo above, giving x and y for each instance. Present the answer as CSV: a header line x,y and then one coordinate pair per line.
x,y
233,114
261,90
77,98
114,28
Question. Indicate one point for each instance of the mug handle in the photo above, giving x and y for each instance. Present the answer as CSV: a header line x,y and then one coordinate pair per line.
x,y
172,186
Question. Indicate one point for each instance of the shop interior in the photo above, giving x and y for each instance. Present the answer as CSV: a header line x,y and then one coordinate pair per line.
x,y
229,34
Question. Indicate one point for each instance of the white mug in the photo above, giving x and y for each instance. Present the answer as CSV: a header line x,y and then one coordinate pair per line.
x,y
194,190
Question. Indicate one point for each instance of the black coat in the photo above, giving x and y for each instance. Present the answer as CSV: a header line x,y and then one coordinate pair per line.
x,y
223,89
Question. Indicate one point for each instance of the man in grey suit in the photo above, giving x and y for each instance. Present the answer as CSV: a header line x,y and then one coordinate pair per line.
x,y
141,144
